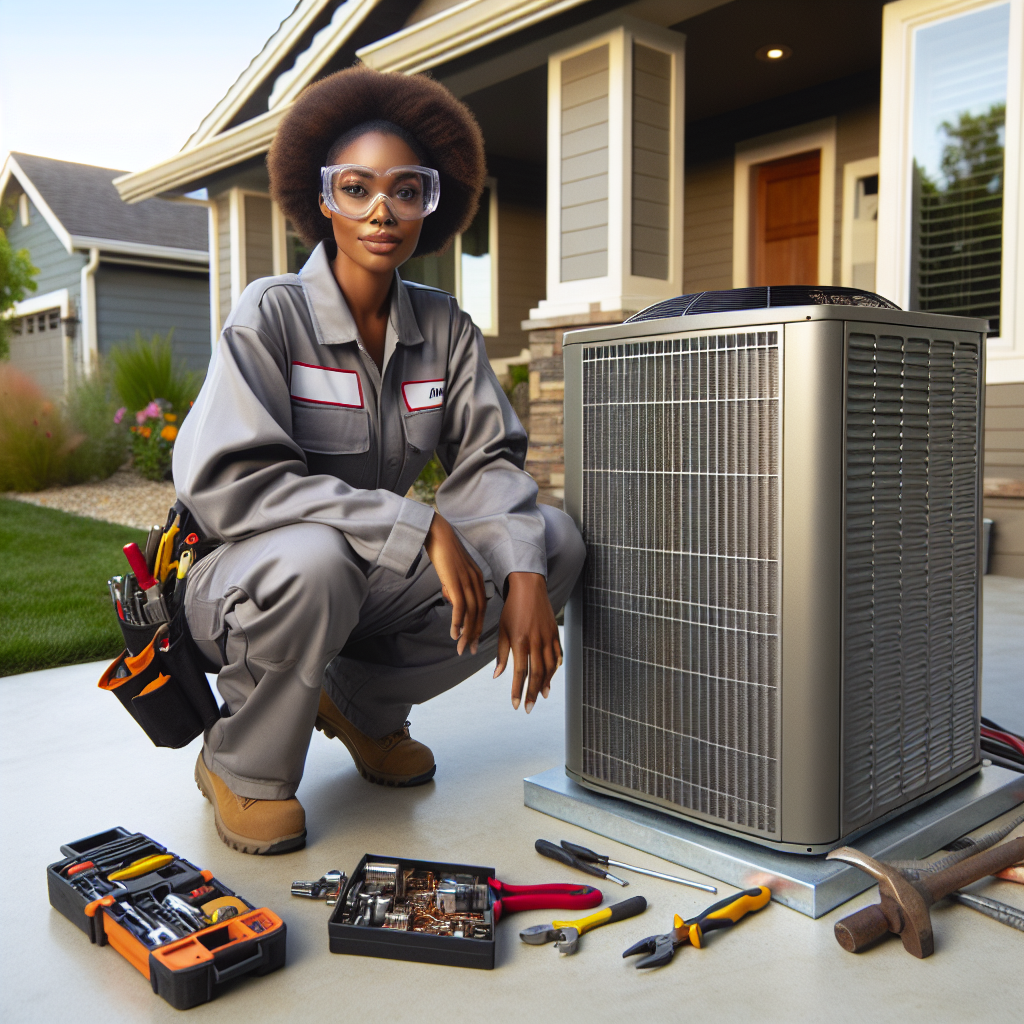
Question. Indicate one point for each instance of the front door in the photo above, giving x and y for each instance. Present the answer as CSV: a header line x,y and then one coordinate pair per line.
x,y
786,220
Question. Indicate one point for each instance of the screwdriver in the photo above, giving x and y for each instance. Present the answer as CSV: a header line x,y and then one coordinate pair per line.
x,y
546,849
583,854
142,866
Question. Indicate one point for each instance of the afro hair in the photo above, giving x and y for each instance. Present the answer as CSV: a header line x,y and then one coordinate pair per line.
x,y
425,109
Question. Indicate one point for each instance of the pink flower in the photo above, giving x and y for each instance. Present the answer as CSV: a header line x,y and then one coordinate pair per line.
x,y
153,411
119,415
140,417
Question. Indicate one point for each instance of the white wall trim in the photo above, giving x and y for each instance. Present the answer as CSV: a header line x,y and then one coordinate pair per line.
x,y
1005,354
236,232
40,303
87,302
13,169
820,135
619,290
278,239
23,210
159,252
853,171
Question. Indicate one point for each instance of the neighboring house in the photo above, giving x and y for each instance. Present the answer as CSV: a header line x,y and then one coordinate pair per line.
x,y
640,150
106,269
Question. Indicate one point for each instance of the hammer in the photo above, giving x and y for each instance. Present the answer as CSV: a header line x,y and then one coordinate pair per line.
x,y
905,903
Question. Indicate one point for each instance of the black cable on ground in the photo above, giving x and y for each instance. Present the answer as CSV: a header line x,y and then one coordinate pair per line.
x,y
1001,749
989,724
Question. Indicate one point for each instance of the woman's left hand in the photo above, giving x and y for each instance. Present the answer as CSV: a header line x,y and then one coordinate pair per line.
x,y
528,629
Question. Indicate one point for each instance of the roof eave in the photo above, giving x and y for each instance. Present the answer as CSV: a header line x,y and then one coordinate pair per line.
x,y
456,31
143,249
12,169
216,154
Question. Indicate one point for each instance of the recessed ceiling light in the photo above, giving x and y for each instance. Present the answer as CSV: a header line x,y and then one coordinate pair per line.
x,y
772,54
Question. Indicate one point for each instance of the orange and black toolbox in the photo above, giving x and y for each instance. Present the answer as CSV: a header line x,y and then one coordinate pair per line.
x,y
177,924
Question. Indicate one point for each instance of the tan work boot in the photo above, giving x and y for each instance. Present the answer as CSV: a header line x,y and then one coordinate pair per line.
x,y
393,760
249,825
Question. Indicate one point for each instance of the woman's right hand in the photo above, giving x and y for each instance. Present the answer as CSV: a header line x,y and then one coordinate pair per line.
x,y
462,582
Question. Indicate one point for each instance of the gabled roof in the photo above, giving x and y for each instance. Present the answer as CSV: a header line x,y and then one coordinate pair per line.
x,y
82,206
268,63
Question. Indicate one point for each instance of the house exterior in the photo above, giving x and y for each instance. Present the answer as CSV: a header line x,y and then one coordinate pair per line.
x,y
641,150
106,269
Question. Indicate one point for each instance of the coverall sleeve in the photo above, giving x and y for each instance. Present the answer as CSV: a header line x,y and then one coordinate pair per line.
x,y
488,496
238,469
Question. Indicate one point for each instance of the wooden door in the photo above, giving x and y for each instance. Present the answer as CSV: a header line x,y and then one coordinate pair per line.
x,y
786,220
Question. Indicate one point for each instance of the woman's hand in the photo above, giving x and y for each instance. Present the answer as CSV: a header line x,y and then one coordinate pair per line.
x,y
528,629
462,582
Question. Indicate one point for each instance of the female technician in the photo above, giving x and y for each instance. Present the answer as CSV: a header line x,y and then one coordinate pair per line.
x,y
328,393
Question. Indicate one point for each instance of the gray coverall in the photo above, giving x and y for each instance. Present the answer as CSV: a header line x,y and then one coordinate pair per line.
x,y
297,455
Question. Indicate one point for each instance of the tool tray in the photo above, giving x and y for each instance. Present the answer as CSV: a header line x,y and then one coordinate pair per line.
x,y
188,969
396,943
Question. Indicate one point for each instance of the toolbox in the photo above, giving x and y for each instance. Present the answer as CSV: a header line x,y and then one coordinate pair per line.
x,y
427,911
187,932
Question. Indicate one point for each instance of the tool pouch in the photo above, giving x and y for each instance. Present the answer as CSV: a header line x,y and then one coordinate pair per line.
x,y
160,677
163,687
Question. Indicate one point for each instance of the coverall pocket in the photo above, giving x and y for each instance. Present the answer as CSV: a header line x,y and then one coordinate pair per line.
x,y
423,429
330,429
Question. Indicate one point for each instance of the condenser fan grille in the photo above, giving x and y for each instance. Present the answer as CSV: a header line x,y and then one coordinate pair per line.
x,y
680,512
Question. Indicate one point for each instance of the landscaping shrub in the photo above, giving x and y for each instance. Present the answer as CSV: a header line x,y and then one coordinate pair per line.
x,y
157,395
426,484
92,412
36,442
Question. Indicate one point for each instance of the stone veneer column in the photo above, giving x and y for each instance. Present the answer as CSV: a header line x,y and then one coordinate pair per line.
x,y
546,459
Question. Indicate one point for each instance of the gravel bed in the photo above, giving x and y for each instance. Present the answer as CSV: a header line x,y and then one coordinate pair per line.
x,y
125,498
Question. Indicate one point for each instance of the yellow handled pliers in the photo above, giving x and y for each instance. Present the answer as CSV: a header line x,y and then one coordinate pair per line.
x,y
566,934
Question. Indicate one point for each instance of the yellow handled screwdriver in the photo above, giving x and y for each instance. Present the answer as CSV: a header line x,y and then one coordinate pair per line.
x,y
567,933
723,914
140,867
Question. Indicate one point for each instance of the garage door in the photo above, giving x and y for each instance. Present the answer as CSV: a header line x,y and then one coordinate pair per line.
x,y
37,348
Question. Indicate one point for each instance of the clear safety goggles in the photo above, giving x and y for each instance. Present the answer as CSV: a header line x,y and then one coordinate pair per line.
x,y
354,191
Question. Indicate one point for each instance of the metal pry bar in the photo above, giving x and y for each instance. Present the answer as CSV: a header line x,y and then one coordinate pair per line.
x,y
998,911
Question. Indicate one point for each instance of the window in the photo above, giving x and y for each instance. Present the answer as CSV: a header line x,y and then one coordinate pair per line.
x,y
469,268
950,211
957,146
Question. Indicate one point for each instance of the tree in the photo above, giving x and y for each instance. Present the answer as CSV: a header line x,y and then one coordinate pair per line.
x,y
16,273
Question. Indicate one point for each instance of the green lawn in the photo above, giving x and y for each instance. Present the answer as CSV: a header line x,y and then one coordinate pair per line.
x,y
54,604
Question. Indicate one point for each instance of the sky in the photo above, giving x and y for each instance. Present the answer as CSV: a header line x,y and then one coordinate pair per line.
x,y
117,83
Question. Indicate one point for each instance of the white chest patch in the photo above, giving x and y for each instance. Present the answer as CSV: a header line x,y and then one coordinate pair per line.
x,y
326,386
423,394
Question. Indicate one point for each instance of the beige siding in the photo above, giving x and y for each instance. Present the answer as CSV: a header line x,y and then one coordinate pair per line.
x,y
652,108
856,139
707,227
521,274
223,202
259,245
1004,431
584,178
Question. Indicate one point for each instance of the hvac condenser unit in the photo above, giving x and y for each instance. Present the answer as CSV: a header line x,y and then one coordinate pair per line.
x,y
777,632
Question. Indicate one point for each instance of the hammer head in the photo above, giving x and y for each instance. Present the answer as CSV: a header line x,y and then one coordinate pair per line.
x,y
568,940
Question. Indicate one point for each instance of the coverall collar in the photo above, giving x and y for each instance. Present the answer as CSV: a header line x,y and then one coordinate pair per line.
x,y
332,320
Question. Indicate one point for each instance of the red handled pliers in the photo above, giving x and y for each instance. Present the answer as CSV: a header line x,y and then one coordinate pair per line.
x,y
560,896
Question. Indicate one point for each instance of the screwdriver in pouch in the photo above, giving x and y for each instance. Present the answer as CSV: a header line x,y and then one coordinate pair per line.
x,y
546,849
582,853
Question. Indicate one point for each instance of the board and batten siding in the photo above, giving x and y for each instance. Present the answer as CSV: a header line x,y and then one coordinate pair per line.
x,y
652,111
259,240
584,172
707,226
130,299
58,268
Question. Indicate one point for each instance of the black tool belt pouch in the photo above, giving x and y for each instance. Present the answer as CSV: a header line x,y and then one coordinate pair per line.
x,y
160,677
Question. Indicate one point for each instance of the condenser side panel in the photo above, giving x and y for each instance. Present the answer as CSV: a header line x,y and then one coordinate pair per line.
x,y
912,584
812,538
572,634
680,604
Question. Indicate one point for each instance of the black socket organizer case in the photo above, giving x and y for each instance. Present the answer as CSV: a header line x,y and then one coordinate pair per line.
x,y
446,950
185,971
